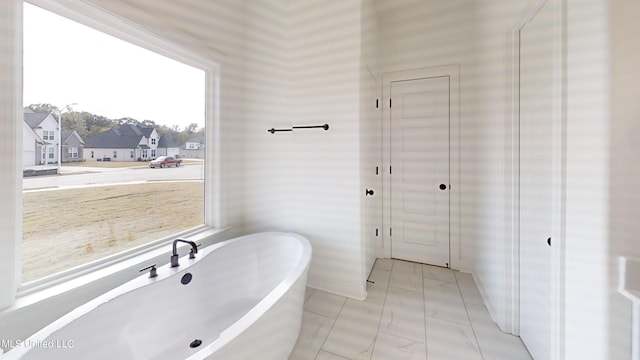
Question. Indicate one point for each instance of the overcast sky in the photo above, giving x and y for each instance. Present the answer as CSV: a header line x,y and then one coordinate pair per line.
x,y
65,62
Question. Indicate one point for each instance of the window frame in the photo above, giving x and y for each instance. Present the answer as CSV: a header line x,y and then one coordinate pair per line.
x,y
194,55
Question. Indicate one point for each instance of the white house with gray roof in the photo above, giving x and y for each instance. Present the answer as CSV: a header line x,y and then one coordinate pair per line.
x,y
127,143
40,145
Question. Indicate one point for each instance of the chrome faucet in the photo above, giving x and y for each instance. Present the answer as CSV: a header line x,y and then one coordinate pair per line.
x,y
174,254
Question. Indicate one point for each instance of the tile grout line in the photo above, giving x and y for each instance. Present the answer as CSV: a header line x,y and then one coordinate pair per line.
x,y
424,312
330,329
389,287
464,303
340,312
384,302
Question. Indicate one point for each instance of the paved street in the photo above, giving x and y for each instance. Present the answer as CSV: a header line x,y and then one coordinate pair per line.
x,y
72,176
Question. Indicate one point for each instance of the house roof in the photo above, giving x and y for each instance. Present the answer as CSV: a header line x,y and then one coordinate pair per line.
x,y
68,133
35,119
135,130
146,131
113,139
125,137
166,142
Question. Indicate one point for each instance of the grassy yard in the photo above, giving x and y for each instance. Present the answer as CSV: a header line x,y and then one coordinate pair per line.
x,y
65,228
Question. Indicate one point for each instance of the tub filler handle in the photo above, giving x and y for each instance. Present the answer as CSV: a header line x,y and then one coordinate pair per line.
x,y
192,254
153,272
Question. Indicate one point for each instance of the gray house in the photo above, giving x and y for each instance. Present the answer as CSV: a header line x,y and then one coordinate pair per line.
x,y
127,143
167,147
72,146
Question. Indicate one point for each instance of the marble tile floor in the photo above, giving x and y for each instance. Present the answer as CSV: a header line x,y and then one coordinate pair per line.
x,y
412,311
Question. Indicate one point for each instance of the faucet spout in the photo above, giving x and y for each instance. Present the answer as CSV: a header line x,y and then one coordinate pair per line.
x,y
174,254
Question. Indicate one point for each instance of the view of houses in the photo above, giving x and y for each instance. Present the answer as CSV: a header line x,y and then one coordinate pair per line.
x,y
129,142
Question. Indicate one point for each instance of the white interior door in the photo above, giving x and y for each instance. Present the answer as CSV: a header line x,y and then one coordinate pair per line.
x,y
419,180
536,181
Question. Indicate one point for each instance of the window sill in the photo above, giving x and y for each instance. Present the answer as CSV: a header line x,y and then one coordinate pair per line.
x,y
101,277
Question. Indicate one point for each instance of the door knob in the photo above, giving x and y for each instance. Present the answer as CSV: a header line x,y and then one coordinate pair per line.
x,y
368,192
443,187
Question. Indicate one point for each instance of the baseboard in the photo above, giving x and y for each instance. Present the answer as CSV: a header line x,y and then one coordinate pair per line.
x,y
350,290
485,298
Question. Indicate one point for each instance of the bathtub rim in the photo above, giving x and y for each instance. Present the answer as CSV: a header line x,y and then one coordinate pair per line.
x,y
165,272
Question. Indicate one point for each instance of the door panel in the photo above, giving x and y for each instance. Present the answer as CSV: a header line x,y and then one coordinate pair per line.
x,y
419,157
536,185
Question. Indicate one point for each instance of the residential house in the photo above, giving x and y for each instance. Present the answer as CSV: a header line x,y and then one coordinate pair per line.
x,y
45,127
193,148
72,146
166,147
31,146
127,143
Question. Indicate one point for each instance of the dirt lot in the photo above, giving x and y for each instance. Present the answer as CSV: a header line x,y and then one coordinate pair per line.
x,y
65,228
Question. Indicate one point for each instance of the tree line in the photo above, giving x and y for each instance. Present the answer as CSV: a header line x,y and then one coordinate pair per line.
x,y
88,124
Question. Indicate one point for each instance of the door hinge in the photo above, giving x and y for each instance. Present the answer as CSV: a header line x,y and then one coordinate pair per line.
x,y
389,170
389,102
376,232
377,106
376,170
390,231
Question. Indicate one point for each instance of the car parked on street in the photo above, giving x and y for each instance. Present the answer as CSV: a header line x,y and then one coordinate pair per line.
x,y
165,161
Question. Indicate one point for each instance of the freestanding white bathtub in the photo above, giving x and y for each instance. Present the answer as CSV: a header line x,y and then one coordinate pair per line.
x,y
244,301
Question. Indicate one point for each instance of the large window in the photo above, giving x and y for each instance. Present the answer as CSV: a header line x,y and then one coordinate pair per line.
x,y
112,93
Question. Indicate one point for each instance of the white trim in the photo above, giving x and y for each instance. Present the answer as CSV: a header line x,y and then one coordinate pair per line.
x,y
11,137
190,52
511,173
202,58
453,72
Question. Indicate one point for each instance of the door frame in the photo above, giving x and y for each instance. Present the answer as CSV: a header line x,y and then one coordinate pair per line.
x,y
453,72
511,165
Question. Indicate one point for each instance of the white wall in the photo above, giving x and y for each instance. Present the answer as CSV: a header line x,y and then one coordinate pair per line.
x,y
325,178
494,19
267,163
587,139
